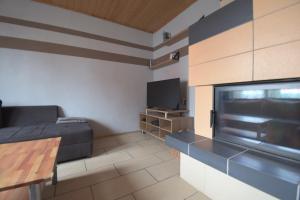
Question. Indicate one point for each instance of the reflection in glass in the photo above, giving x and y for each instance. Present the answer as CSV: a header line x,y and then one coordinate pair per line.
x,y
264,113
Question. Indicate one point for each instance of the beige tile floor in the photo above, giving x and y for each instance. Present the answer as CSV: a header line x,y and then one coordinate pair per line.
x,y
132,166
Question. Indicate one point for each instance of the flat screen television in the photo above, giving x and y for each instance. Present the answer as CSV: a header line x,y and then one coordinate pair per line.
x,y
164,94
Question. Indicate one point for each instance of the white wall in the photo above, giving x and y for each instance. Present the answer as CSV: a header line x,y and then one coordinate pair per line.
x,y
178,24
111,94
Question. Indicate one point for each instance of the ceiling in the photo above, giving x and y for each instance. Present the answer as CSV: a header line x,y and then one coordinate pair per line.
x,y
145,15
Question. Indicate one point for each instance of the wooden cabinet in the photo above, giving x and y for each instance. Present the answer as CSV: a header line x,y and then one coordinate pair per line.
x,y
263,7
227,70
277,62
236,55
234,41
277,28
160,123
204,104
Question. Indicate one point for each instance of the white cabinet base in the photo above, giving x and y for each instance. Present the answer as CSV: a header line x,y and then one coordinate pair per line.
x,y
215,184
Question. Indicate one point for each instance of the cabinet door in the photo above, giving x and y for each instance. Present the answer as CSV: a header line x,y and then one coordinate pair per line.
x,y
227,70
277,62
263,7
234,41
203,106
277,28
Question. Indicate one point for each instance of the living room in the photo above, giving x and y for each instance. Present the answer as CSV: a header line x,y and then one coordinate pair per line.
x,y
193,99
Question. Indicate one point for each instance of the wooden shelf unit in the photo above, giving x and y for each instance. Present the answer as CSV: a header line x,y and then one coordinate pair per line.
x,y
160,123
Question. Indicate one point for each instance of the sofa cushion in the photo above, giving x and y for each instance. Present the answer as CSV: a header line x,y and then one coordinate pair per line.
x,y
7,133
71,133
29,115
1,123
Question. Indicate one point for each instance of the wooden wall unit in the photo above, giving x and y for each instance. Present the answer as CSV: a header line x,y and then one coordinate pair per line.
x,y
263,7
277,62
266,47
277,28
228,43
276,43
204,104
227,70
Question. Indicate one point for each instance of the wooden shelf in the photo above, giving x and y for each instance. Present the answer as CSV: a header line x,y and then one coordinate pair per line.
x,y
165,129
149,124
165,114
167,122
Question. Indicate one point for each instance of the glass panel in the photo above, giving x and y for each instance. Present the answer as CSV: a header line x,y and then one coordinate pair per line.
x,y
259,114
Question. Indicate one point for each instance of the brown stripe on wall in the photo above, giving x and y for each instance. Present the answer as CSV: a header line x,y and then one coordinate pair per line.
x,y
58,29
10,20
176,38
165,59
46,47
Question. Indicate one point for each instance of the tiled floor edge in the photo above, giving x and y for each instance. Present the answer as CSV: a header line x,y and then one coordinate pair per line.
x,y
201,140
227,161
191,195
151,175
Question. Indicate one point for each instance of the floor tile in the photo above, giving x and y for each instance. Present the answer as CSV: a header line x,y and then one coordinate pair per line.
x,y
131,137
144,151
70,168
149,141
81,194
128,197
48,191
170,189
121,147
86,179
164,170
20,193
106,159
98,151
120,186
139,158
164,155
198,196
106,142
135,164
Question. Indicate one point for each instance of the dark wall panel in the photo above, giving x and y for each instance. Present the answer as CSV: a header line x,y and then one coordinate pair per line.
x,y
230,16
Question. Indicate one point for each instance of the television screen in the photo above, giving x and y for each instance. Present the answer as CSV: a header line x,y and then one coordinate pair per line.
x,y
164,94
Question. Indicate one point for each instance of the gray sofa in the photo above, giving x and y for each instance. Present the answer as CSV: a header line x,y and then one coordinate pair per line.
x,y
22,123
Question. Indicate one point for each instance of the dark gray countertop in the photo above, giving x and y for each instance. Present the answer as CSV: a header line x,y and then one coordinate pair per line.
x,y
272,174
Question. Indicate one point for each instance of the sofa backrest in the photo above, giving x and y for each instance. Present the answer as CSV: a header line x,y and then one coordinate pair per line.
x,y
28,115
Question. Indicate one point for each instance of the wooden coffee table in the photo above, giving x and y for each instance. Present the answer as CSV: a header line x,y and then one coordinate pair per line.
x,y
28,163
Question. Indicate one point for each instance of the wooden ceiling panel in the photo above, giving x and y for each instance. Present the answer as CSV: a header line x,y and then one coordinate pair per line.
x,y
145,15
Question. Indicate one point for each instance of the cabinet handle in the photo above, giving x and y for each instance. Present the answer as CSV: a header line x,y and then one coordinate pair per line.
x,y
212,118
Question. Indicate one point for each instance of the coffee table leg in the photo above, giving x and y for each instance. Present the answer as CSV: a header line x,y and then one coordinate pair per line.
x,y
54,179
35,192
